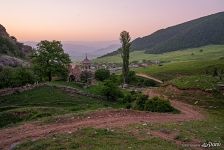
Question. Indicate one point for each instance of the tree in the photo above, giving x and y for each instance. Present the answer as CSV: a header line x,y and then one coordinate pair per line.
x,y
50,59
125,41
85,76
102,74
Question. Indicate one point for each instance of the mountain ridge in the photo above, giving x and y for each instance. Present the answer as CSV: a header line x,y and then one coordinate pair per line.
x,y
203,31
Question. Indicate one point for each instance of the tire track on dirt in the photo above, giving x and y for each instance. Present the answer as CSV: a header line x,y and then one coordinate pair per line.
x,y
98,119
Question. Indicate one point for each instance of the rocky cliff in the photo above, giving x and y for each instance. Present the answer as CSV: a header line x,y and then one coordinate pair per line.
x,y
12,52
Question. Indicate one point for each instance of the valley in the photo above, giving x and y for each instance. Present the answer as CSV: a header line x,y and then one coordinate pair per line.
x,y
162,91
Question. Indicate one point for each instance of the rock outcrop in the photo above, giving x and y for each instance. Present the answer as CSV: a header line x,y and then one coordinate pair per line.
x,y
3,32
12,52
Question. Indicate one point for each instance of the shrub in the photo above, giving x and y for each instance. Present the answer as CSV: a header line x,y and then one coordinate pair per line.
x,y
143,82
117,79
6,76
111,91
10,77
140,101
85,76
102,74
148,82
157,104
128,105
131,78
24,76
127,98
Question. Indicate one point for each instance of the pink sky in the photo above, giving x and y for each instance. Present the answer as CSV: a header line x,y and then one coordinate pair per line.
x,y
97,20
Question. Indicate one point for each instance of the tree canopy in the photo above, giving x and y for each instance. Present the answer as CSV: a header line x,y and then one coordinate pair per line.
x,y
50,60
102,74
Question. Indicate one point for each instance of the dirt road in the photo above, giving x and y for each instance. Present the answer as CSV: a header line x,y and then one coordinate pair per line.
x,y
99,119
149,77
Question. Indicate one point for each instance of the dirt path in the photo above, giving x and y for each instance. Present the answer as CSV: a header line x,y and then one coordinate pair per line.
x,y
149,77
99,119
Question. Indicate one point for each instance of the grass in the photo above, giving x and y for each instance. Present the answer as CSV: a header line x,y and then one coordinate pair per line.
x,y
210,52
211,100
202,82
63,83
209,130
94,89
136,136
44,102
170,71
97,139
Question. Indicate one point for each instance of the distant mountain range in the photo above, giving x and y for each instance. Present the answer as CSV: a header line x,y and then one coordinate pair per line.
x,y
78,50
199,32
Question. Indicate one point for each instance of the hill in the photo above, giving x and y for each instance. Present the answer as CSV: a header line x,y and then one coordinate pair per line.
x,y
12,52
210,52
199,32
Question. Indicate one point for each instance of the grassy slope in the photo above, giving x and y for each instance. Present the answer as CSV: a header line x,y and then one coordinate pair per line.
x,y
94,89
136,136
197,81
182,63
43,102
97,139
211,52
209,130
172,70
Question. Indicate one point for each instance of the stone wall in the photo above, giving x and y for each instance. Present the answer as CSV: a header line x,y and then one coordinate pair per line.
x,y
69,90
9,91
72,91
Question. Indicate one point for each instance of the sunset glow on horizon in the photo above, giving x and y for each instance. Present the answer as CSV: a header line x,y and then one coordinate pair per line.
x,y
97,20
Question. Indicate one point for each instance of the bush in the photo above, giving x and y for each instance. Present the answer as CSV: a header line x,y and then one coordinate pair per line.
x,y
157,104
117,79
102,74
143,82
140,101
131,78
148,82
127,98
10,77
85,76
111,91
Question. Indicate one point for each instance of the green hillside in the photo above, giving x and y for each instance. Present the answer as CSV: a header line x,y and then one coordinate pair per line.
x,y
211,52
186,68
208,30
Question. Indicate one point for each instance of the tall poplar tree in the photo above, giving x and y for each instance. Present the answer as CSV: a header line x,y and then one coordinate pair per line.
x,y
125,50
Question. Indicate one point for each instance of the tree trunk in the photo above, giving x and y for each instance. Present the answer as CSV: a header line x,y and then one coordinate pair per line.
x,y
49,77
125,69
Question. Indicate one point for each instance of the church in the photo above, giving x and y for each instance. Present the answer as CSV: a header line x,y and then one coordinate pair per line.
x,y
75,70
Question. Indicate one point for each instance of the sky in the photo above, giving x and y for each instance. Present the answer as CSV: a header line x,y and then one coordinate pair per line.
x,y
97,20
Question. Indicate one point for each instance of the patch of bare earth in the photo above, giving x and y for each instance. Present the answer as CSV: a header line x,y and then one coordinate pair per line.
x,y
99,119
173,137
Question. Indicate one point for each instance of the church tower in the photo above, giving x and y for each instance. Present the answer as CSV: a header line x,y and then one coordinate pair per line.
x,y
86,64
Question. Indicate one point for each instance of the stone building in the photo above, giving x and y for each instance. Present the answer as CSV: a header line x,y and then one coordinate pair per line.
x,y
86,64
75,70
